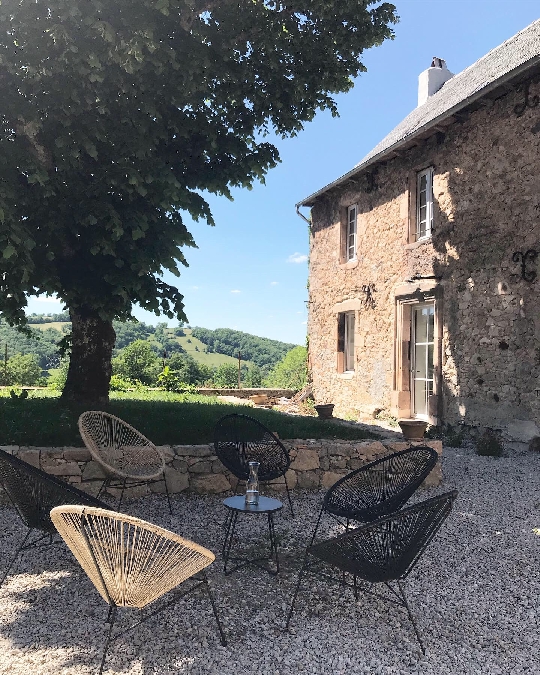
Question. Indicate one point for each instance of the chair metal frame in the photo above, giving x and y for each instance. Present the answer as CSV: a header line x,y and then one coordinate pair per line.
x,y
235,449
112,430
33,493
133,563
375,553
388,493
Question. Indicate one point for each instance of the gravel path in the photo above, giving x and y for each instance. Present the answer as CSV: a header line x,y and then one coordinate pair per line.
x,y
474,593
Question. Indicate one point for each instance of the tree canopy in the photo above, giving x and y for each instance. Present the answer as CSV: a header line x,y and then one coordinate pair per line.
x,y
291,371
116,117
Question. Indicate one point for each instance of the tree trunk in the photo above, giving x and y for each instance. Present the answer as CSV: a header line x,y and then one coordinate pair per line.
x,y
90,363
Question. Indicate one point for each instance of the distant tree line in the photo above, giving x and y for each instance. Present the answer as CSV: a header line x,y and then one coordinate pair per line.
x,y
261,351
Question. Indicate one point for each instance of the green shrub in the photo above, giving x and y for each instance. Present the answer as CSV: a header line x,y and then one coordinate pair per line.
x,y
291,371
489,444
58,376
119,383
454,437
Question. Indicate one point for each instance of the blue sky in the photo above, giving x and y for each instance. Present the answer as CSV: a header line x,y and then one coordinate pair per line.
x,y
250,271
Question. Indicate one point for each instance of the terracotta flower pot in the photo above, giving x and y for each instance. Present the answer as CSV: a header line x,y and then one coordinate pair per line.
x,y
325,410
413,430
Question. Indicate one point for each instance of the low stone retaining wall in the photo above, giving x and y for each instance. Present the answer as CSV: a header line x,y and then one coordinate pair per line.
x,y
195,468
246,393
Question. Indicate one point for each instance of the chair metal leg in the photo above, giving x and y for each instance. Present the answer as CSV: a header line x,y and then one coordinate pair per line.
x,y
300,575
103,487
122,494
167,492
411,617
288,495
214,609
21,546
111,617
317,526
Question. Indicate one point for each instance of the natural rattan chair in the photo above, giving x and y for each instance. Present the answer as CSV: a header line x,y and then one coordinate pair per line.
x,y
378,488
380,552
131,562
34,493
127,457
240,439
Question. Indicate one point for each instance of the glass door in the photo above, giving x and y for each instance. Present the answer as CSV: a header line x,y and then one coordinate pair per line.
x,y
423,332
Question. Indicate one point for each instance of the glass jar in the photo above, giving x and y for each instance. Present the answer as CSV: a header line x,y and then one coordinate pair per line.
x,y
252,485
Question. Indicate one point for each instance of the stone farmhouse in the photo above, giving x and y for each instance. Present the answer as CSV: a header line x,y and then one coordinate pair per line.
x,y
424,277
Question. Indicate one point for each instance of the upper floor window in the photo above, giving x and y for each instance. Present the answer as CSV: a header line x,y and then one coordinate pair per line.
x,y
424,203
346,342
350,240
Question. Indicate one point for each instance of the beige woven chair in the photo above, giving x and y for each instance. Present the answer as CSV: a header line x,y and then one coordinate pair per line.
x,y
127,457
131,562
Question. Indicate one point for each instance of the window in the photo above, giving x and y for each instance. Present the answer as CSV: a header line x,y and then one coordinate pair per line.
x,y
424,204
346,342
350,240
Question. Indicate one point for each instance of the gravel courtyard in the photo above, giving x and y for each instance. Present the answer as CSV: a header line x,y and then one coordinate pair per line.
x,y
474,594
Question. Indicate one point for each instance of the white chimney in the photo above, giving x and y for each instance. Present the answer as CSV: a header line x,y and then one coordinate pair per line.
x,y
432,79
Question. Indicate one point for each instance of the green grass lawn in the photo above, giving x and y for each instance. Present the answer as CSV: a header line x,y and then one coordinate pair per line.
x,y
165,418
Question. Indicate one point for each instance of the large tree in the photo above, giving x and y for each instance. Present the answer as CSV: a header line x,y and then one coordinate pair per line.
x,y
116,115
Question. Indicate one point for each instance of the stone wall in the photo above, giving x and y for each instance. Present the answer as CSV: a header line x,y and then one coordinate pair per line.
x,y
487,207
195,468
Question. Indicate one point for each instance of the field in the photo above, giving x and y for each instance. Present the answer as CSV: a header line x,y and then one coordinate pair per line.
x,y
43,420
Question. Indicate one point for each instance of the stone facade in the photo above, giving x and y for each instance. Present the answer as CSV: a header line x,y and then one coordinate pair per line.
x,y
195,468
486,196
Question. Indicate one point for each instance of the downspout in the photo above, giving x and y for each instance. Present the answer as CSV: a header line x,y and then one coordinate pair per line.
x,y
302,215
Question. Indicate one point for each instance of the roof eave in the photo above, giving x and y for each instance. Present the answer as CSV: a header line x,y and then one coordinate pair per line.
x,y
516,72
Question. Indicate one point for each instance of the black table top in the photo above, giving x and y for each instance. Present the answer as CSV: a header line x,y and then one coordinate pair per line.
x,y
265,505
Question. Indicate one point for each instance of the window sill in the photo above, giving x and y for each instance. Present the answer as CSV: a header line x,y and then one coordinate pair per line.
x,y
349,265
349,375
415,244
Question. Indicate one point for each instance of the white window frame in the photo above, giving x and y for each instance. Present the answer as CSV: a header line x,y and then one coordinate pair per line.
x,y
351,233
348,343
424,227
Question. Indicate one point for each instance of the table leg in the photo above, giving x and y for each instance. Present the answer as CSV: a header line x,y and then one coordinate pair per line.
x,y
229,535
273,543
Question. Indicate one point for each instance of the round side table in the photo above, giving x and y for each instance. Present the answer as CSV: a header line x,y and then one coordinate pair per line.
x,y
237,505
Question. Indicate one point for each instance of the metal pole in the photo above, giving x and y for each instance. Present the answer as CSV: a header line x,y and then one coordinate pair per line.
x,y
5,364
239,356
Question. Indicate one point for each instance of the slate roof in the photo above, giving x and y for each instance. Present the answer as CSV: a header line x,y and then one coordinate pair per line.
x,y
509,59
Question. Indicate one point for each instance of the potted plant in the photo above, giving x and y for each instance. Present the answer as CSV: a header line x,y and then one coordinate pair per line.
x,y
413,429
325,410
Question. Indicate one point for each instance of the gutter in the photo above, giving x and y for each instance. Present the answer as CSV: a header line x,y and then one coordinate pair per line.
x,y
309,201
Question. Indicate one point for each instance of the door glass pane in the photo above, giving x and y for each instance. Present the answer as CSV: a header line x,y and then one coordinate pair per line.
x,y
421,323
420,366
430,323
420,403
430,361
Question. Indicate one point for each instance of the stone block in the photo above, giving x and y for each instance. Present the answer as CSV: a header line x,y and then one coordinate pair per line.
x,y
168,452
93,471
292,479
176,481
201,467
210,484
77,454
180,465
65,469
11,449
434,478
47,454
355,463
338,462
306,460
31,457
308,479
193,450
325,463
522,430
330,477
217,466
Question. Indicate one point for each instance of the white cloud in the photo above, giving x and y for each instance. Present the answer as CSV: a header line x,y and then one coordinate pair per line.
x,y
304,323
236,291
299,312
47,299
194,288
274,283
297,258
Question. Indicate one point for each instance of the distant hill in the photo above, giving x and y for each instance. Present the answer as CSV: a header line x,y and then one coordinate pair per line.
x,y
209,347
262,351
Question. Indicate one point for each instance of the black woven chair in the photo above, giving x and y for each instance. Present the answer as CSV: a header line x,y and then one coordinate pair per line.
x,y
379,488
240,439
380,552
34,493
